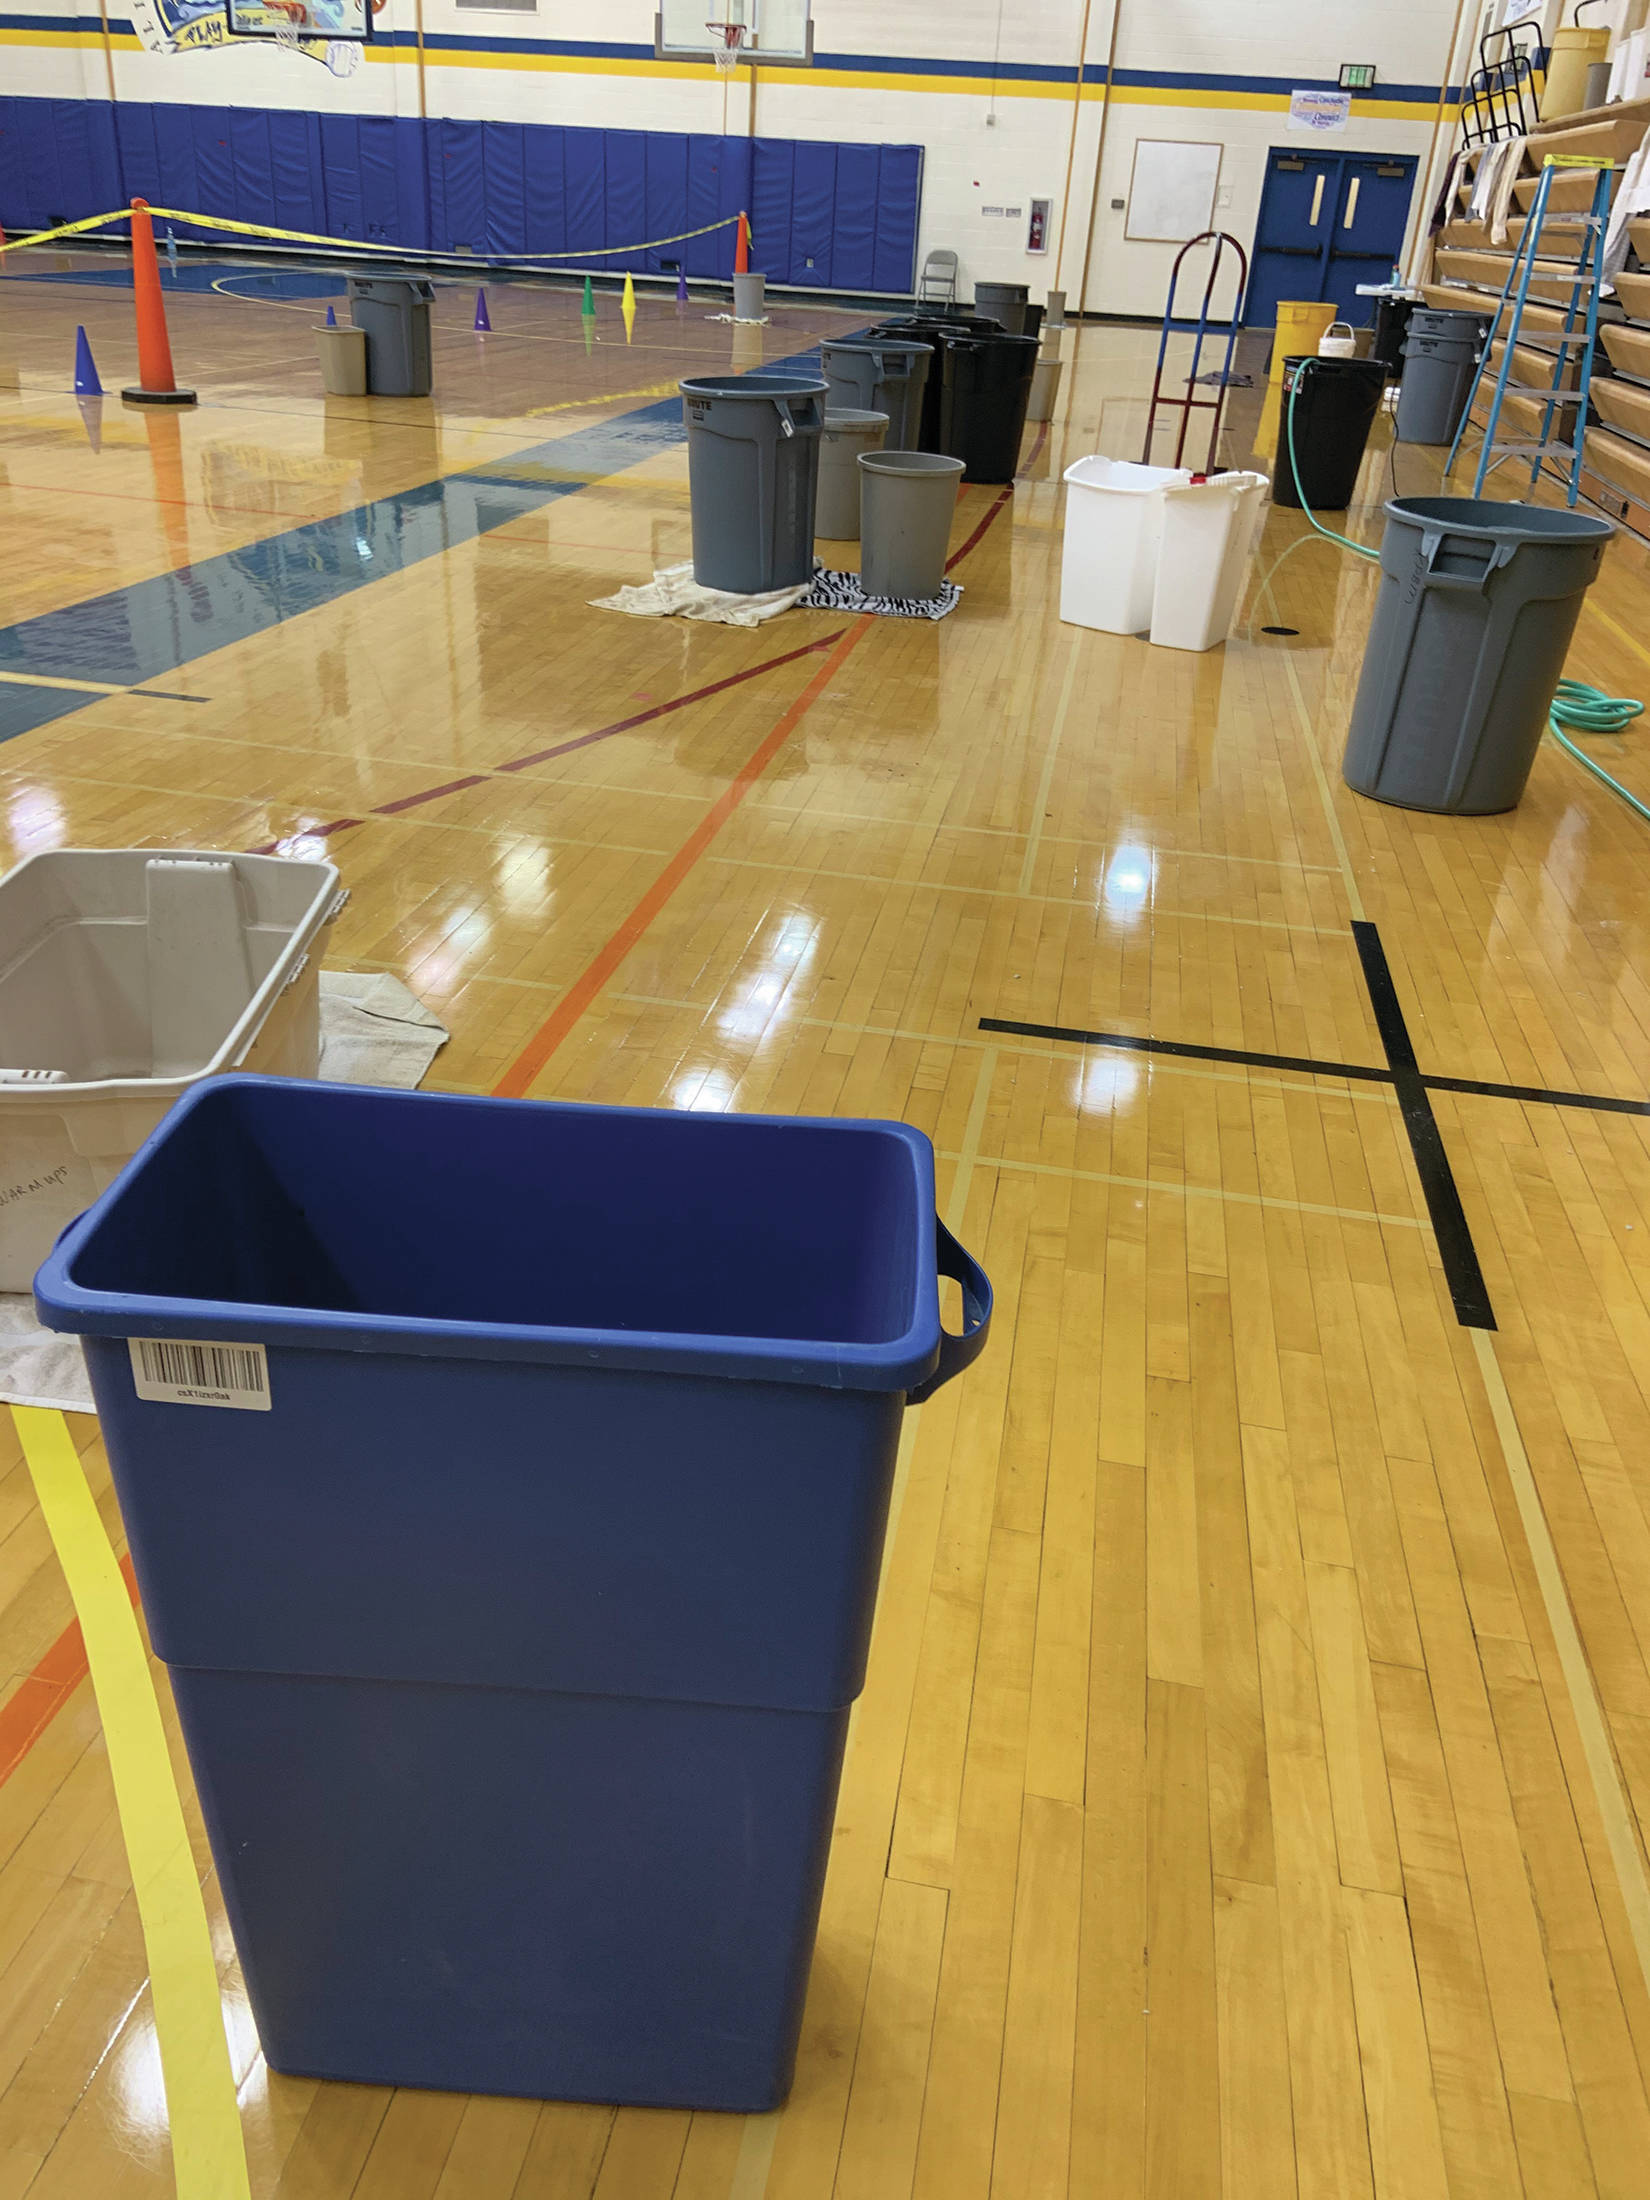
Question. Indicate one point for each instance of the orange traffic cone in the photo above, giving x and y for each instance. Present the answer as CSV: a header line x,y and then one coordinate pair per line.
x,y
742,248
156,384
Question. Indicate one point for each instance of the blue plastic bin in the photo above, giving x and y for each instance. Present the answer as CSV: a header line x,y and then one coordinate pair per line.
x,y
514,1626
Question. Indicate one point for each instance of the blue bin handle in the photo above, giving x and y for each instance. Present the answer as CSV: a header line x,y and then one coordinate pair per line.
x,y
956,1353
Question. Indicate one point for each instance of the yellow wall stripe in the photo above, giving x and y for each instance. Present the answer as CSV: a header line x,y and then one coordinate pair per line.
x,y
208,2152
807,79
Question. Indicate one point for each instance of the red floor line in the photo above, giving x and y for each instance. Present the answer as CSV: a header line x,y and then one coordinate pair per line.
x,y
519,1077
562,748
47,1687
642,717
525,1068
41,1694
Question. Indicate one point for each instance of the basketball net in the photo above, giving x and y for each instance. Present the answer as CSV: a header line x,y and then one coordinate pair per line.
x,y
291,35
727,44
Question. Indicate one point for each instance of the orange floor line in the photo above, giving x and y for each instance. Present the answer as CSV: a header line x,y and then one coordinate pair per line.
x,y
42,1693
518,1078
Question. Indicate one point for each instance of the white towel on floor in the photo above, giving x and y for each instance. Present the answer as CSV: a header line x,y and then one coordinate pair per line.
x,y
673,593
373,1032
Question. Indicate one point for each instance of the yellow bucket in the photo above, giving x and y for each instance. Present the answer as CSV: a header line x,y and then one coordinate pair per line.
x,y
1301,324
1572,54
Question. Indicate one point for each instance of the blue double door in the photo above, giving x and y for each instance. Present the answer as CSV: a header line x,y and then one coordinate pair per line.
x,y
1328,222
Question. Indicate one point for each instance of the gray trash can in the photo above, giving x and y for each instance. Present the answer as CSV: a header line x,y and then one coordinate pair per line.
x,y
393,311
907,499
886,376
753,473
1477,604
1004,302
1452,321
1440,354
845,435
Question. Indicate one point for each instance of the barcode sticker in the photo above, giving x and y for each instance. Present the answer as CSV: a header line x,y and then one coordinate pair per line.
x,y
181,1371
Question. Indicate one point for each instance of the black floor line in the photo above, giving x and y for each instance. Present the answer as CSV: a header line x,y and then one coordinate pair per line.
x,y
1306,1065
1481,1091
1410,1083
1449,1219
1303,1063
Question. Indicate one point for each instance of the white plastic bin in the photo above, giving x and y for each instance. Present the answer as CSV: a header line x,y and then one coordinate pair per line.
x,y
1114,522
1209,529
126,976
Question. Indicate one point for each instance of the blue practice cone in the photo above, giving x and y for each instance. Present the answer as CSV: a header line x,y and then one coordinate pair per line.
x,y
484,327
86,383
332,318
681,286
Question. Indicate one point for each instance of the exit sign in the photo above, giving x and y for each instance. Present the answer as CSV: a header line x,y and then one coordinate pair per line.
x,y
1357,76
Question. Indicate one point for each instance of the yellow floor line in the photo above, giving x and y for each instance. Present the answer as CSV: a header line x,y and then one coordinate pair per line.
x,y
1200,1191
1039,808
208,2151
1613,1806
80,687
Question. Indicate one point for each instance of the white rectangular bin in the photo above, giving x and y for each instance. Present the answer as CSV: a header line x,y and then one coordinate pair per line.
x,y
1114,524
126,976
1209,529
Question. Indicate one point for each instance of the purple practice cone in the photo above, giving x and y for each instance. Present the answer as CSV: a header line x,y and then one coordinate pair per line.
x,y
86,383
332,317
484,326
681,286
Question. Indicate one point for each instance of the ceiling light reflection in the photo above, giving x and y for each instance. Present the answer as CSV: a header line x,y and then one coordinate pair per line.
x,y
1106,1084
1128,880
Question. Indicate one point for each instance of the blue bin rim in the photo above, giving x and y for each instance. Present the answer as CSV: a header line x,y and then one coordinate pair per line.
x,y
906,1363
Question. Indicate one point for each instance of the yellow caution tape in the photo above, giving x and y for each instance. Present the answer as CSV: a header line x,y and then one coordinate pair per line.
x,y
347,244
208,2151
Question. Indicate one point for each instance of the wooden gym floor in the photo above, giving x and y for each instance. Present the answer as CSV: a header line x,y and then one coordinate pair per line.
x,y
1250,1793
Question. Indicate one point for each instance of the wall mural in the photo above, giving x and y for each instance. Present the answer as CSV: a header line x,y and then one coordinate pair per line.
x,y
198,26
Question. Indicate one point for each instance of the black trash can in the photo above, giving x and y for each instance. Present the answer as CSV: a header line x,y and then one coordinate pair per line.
x,y
985,389
1392,317
393,312
936,330
1329,407
1477,604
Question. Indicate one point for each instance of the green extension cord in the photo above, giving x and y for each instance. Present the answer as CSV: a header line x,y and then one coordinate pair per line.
x,y
1585,709
1590,710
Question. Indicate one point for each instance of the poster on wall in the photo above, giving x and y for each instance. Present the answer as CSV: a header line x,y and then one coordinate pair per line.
x,y
1320,114
1171,189
198,26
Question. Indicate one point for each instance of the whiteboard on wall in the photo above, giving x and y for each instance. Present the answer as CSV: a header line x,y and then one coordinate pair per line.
x,y
1172,190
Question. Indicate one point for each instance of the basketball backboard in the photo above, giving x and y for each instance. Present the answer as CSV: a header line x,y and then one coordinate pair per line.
x,y
291,20
775,30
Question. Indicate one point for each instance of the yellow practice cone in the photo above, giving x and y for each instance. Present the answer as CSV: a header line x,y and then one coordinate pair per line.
x,y
627,306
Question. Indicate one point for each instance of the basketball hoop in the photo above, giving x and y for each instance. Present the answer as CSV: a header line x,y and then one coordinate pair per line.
x,y
292,34
727,44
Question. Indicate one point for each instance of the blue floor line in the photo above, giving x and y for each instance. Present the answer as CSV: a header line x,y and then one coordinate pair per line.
x,y
135,634
151,627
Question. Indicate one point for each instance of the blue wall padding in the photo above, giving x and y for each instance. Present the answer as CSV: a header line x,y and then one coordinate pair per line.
x,y
829,217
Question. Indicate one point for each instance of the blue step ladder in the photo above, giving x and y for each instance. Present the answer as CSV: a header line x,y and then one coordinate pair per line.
x,y
1561,408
